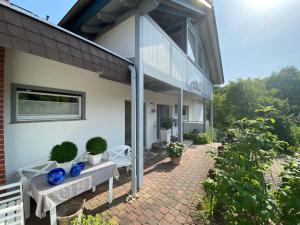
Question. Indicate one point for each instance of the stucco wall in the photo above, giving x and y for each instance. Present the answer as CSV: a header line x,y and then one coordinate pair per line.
x,y
120,39
105,110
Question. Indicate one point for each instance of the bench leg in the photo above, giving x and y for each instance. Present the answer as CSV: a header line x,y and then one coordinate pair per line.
x,y
26,202
110,190
53,217
94,189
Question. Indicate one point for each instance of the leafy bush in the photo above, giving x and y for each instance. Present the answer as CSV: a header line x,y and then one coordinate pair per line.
x,y
96,145
238,189
201,139
175,149
196,131
167,124
65,152
94,220
288,194
188,135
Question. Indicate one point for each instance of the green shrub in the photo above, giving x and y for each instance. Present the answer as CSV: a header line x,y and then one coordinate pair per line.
x,y
65,152
188,135
96,145
175,149
240,193
196,131
288,194
167,124
201,139
98,219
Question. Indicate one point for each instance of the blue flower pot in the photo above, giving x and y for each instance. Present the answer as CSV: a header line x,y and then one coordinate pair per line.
x,y
81,164
75,170
56,176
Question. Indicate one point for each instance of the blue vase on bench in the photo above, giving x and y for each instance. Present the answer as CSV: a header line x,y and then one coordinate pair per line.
x,y
75,170
56,176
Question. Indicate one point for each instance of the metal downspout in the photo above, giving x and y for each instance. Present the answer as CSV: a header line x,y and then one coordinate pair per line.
x,y
133,130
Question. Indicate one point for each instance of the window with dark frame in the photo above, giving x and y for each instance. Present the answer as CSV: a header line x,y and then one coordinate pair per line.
x,y
30,103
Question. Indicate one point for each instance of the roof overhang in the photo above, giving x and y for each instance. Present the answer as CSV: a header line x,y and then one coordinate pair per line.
x,y
22,31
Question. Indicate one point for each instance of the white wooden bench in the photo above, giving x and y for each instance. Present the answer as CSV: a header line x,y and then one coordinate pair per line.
x,y
26,173
11,204
120,155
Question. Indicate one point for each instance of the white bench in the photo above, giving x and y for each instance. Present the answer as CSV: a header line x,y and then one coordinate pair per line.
x,y
120,155
24,175
11,204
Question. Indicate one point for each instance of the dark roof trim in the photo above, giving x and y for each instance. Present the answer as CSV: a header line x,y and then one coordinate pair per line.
x,y
87,13
25,13
23,32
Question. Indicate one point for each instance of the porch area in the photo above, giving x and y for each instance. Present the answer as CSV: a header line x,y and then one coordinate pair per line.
x,y
169,194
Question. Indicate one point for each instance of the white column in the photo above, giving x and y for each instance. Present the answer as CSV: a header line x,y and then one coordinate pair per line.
x,y
204,116
140,98
133,130
179,119
211,119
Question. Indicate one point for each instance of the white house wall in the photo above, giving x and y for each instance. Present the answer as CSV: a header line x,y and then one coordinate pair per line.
x,y
105,110
120,39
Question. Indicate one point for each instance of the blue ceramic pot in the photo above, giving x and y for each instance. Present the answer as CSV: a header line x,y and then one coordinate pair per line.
x,y
56,176
75,170
81,164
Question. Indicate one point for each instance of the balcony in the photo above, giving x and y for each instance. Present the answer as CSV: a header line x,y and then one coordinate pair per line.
x,y
164,60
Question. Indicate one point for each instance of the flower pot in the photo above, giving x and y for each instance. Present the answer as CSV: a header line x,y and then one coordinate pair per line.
x,y
66,213
175,160
66,166
165,136
94,159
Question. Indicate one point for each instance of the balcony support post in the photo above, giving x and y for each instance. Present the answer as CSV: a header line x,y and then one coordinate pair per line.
x,y
204,116
211,120
139,65
179,113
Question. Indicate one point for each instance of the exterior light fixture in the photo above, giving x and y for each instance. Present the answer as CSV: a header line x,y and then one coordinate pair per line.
x,y
152,107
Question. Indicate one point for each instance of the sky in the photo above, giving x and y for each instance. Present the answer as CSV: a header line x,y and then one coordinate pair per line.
x,y
257,37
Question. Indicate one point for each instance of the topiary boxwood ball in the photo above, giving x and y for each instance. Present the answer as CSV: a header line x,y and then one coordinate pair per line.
x,y
96,145
65,152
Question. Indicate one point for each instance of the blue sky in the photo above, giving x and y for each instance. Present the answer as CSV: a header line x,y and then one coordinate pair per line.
x,y
256,37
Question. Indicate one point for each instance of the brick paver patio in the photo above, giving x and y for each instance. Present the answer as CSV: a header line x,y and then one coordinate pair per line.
x,y
169,195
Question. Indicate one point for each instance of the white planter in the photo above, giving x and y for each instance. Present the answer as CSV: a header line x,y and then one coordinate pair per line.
x,y
66,166
165,136
94,159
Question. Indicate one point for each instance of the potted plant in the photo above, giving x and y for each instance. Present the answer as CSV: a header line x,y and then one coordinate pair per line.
x,y
165,130
63,155
95,147
175,150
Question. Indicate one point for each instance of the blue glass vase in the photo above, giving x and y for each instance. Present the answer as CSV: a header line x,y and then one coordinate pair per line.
x,y
75,170
56,176
81,164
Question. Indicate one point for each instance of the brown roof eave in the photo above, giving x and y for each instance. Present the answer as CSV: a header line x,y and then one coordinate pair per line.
x,y
24,32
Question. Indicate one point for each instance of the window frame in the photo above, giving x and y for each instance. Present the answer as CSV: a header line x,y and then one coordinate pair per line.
x,y
21,88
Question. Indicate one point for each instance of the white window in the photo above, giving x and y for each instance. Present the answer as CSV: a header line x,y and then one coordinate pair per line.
x,y
191,45
36,104
185,112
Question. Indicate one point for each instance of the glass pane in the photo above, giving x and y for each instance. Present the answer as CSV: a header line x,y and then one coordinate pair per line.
x,y
47,97
47,105
200,56
191,48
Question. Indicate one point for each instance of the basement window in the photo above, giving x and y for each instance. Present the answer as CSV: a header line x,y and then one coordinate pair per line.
x,y
31,103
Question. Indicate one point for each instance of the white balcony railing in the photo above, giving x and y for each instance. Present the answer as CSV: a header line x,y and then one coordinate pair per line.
x,y
164,60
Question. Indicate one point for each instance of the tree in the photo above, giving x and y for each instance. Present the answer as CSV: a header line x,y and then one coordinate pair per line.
x,y
287,84
241,98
